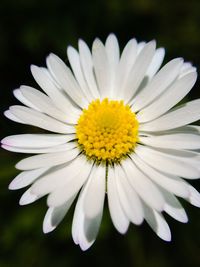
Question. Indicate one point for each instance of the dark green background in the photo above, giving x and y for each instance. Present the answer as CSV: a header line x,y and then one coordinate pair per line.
x,y
29,30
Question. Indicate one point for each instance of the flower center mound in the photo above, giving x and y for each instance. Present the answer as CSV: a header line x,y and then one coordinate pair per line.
x,y
107,131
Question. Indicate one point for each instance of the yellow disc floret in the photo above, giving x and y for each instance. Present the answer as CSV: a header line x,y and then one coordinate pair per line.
x,y
107,130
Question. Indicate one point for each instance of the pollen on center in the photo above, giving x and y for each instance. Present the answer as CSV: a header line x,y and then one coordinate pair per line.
x,y
107,130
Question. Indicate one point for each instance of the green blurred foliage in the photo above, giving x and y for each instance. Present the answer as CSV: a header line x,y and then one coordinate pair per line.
x,y
29,31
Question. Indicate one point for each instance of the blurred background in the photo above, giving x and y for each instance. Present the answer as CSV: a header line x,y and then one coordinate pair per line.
x,y
29,31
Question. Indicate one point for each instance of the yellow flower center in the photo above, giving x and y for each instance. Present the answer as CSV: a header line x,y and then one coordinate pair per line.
x,y
107,131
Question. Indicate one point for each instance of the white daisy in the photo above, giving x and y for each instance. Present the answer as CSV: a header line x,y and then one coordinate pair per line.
x,y
115,130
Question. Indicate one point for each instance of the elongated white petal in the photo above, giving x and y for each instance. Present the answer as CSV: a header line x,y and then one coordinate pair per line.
x,y
158,224
174,208
102,68
65,79
187,68
145,188
182,115
47,160
84,230
47,224
43,78
125,65
138,71
78,218
167,163
177,213
26,178
94,200
64,147
33,117
18,94
194,197
140,46
8,114
192,157
158,84
70,188
187,129
173,141
155,63
87,67
129,199
55,215
117,214
58,177
112,51
167,181
169,98
75,63
44,104
37,140
28,198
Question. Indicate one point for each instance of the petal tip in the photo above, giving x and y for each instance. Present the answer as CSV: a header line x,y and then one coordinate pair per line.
x,y
12,186
47,228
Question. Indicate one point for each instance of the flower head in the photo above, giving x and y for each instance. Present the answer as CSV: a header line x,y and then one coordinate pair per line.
x,y
115,129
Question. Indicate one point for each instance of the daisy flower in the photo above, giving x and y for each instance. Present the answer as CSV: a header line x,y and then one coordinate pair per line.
x,y
116,131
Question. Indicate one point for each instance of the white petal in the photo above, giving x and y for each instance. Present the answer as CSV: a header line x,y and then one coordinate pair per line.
x,y
94,200
125,65
182,115
45,104
175,165
194,197
65,79
158,84
158,224
28,198
37,140
35,118
169,182
47,224
18,94
173,141
156,62
26,178
192,157
138,71
8,114
55,215
187,129
175,93
75,63
174,208
43,78
70,188
78,219
146,189
84,230
58,177
140,46
47,160
117,214
112,50
101,68
129,199
64,147
87,68
187,68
